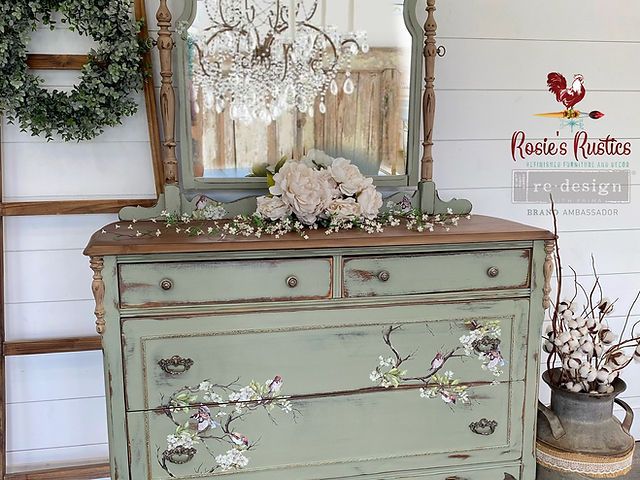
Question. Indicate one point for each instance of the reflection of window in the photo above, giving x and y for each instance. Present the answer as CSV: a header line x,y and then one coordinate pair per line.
x,y
368,127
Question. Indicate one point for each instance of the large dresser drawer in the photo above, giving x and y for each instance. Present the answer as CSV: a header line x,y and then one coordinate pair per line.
x,y
442,272
315,351
193,283
348,435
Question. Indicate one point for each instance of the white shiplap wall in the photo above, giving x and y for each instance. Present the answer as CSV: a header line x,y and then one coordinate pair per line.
x,y
490,82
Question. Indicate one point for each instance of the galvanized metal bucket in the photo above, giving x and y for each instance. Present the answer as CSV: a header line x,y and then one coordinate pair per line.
x,y
579,437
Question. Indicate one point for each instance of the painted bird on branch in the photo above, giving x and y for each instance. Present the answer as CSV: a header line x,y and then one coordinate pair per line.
x,y
568,96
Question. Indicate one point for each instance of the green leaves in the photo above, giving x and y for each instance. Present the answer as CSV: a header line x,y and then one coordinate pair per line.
x,y
102,97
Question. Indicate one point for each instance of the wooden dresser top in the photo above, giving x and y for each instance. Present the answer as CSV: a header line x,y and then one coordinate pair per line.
x,y
140,238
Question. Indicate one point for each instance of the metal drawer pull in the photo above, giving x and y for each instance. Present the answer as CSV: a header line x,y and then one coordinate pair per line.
x,y
166,284
179,455
484,427
292,281
175,365
486,345
384,276
493,272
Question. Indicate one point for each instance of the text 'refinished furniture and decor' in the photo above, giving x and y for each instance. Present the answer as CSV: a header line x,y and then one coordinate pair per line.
x,y
405,353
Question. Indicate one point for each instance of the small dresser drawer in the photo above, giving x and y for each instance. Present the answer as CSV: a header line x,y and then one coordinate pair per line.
x,y
194,283
432,273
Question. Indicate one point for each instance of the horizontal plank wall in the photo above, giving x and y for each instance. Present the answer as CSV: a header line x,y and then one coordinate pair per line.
x,y
490,82
30,159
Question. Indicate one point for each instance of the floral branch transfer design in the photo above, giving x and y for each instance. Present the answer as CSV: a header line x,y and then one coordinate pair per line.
x,y
482,342
212,412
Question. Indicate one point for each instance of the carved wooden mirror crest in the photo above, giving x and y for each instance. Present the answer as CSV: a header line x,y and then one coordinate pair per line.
x,y
368,96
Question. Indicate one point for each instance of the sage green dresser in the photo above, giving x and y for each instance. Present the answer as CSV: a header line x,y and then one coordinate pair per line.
x,y
265,359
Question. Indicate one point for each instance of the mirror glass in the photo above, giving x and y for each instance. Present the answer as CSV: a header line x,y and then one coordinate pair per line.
x,y
336,87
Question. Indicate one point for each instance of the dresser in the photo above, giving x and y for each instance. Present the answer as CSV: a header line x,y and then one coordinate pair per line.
x,y
264,359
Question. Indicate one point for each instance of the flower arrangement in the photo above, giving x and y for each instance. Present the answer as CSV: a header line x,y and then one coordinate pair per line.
x,y
579,341
482,342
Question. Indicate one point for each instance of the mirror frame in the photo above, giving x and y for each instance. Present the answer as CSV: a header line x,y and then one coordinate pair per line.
x,y
255,186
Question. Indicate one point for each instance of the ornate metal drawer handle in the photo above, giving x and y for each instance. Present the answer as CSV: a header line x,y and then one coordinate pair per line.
x,y
486,345
292,281
493,272
179,455
166,284
384,276
484,427
175,365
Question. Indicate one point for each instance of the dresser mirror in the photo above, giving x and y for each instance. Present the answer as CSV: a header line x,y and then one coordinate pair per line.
x,y
350,87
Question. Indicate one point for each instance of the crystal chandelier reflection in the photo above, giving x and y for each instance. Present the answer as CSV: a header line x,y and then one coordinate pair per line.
x,y
260,58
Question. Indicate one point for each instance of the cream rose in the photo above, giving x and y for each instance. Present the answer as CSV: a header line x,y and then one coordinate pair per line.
x,y
273,208
350,180
370,201
308,192
344,209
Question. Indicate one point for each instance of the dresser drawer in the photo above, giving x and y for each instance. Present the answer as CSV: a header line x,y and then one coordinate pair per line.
x,y
431,273
193,283
315,351
350,434
509,472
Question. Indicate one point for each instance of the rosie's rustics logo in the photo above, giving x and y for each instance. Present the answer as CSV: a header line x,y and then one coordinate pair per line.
x,y
557,163
582,147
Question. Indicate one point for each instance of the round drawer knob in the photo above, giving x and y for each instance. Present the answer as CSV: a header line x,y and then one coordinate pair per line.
x,y
292,282
493,272
166,284
384,276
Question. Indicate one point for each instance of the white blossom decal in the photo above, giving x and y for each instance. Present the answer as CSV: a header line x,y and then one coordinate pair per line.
x,y
212,412
482,342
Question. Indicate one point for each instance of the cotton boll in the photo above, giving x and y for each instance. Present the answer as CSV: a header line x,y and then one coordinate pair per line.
x,y
575,387
572,324
591,323
564,305
566,349
548,347
587,348
618,360
604,388
581,321
574,362
598,350
607,336
612,377
603,374
573,345
584,370
567,315
575,334
584,331
563,338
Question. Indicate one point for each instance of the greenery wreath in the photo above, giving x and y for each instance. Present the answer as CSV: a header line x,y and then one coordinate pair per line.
x,y
103,95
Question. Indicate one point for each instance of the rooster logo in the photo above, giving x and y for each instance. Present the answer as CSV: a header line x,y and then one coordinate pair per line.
x,y
569,97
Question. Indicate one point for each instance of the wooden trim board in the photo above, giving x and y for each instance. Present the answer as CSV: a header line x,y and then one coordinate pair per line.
x,y
54,345
56,62
84,472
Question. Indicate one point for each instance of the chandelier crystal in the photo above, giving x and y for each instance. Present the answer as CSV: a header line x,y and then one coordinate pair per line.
x,y
261,58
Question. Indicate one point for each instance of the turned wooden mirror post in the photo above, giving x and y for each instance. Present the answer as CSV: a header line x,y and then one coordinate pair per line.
x,y
181,195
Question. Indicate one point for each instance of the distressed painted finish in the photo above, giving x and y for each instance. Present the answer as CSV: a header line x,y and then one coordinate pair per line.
x,y
216,320
352,433
188,283
397,275
340,347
